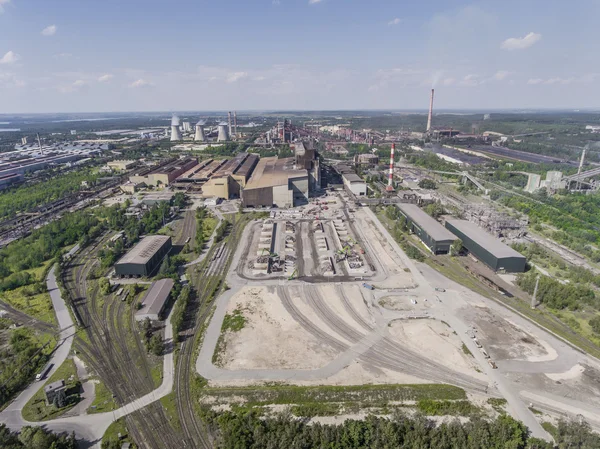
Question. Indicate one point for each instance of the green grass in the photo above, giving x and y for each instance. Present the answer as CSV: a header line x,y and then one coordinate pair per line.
x,y
290,394
37,410
535,411
113,431
234,322
170,405
431,407
156,370
316,409
37,305
550,428
466,350
103,400
208,226
498,404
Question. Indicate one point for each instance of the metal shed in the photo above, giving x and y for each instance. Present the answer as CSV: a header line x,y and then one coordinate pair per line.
x,y
437,238
145,257
487,248
155,300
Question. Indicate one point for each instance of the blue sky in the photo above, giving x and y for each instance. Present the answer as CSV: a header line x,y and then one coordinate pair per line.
x,y
133,55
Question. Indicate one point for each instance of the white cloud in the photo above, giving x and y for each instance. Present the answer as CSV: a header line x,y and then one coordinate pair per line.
x,y
49,30
79,83
3,2
10,58
62,56
140,83
396,21
520,43
259,78
501,75
313,2
448,81
236,76
559,80
105,78
534,81
276,2
9,80
471,80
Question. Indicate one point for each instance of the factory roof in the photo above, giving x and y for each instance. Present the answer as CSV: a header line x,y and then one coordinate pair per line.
x,y
483,239
352,178
426,222
271,171
248,165
155,299
231,166
59,384
143,251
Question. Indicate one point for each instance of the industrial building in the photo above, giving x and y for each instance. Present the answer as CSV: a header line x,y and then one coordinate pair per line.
x,y
367,159
355,184
145,257
167,174
307,158
276,182
437,238
121,165
485,247
231,177
155,300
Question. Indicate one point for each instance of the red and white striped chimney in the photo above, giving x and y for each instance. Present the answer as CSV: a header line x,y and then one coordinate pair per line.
x,y
390,186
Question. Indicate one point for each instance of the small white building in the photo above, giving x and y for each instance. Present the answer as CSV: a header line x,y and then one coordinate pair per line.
x,y
155,300
212,201
355,184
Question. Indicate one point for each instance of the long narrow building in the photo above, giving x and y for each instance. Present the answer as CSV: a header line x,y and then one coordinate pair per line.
x,y
437,238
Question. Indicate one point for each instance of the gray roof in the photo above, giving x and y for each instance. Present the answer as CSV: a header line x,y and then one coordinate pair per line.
x,y
156,297
143,251
426,222
352,178
483,239
55,386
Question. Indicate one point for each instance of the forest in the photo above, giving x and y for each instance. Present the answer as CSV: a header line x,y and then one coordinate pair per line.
x,y
26,197
248,429
35,438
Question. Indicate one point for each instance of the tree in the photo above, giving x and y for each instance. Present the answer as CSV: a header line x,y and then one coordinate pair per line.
x,y
595,324
427,184
456,247
434,209
156,345
104,285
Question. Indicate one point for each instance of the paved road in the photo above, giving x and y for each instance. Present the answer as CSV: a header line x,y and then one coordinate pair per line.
x,y
88,428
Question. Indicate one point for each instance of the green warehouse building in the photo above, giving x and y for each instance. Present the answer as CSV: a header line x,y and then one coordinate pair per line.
x,y
487,248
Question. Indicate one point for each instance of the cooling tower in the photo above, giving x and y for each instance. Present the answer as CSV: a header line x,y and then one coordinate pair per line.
x,y
223,134
199,137
175,132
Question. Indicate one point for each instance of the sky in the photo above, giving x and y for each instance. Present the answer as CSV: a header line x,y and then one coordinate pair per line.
x,y
133,55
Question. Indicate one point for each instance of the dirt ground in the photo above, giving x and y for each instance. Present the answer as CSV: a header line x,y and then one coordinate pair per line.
x,y
437,341
397,274
271,338
505,341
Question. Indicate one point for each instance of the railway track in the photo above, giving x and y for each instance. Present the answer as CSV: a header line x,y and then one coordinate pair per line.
x,y
207,287
113,361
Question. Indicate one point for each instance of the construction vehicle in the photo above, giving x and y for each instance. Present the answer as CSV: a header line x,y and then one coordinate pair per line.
x,y
493,364
368,286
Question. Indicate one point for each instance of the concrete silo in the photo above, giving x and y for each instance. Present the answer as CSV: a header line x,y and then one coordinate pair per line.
x,y
175,132
223,135
200,137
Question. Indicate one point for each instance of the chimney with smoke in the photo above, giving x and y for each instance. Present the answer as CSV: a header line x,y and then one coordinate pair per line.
x,y
430,112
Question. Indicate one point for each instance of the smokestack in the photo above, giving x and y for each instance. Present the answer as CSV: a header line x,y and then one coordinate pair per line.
x,y
40,144
235,123
430,111
229,122
390,186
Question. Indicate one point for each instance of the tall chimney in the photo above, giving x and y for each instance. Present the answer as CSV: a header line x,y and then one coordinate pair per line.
x,y
430,112
390,186
229,121
235,123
